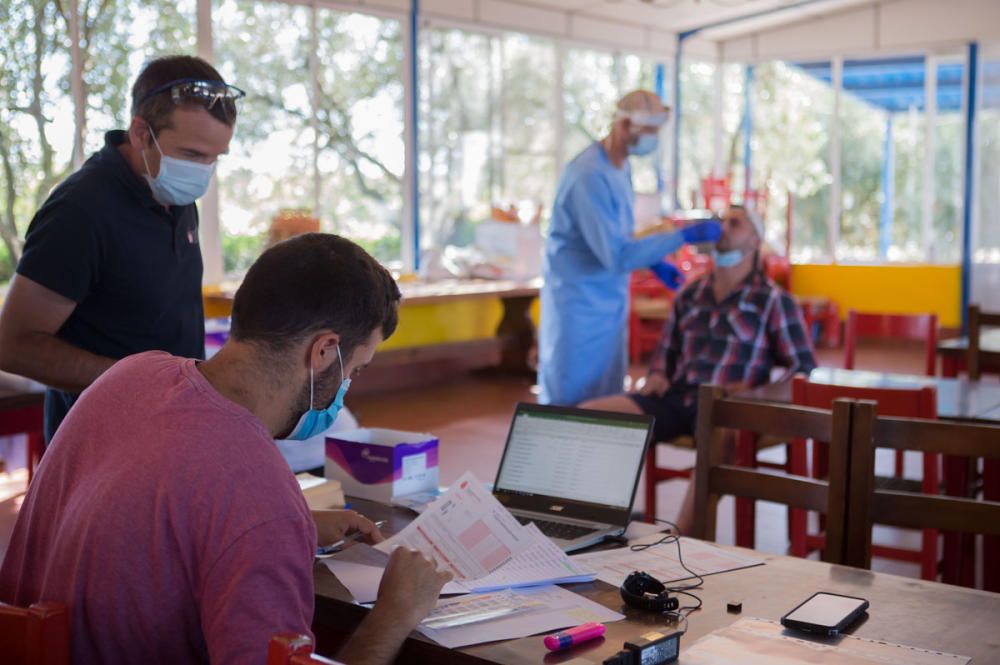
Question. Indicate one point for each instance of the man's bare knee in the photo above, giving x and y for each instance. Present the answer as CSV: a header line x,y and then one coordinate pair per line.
x,y
616,403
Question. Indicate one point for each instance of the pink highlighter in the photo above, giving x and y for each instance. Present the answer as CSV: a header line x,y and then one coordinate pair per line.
x,y
565,639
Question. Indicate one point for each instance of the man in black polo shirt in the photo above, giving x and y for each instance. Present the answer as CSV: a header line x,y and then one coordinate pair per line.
x,y
111,263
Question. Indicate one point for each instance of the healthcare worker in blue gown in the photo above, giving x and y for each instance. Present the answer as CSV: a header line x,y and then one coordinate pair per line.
x,y
589,253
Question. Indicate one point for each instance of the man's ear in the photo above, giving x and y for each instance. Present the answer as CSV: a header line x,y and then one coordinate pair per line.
x,y
138,133
323,350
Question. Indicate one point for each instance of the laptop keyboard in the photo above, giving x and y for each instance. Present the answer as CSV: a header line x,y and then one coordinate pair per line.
x,y
558,529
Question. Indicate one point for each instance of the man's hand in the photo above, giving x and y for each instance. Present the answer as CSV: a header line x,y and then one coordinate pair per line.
x,y
411,583
409,590
707,231
654,383
332,525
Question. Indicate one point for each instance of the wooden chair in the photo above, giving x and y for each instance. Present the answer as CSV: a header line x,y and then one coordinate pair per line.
x,y
977,320
869,504
919,327
37,635
293,649
900,402
714,477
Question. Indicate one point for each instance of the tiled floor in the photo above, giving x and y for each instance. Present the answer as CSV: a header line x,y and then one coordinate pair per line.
x,y
470,417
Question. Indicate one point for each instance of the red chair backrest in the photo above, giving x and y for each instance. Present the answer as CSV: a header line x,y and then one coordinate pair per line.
x,y
893,402
923,327
292,649
37,635
779,270
716,192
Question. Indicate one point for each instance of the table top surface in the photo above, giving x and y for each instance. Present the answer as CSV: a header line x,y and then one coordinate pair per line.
x,y
989,342
958,399
907,611
17,392
422,293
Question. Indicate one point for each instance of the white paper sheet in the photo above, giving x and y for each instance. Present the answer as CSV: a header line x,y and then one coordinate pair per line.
x,y
752,641
360,568
542,563
660,561
466,531
558,608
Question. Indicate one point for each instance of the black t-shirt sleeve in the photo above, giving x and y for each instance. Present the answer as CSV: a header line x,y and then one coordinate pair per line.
x,y
62,250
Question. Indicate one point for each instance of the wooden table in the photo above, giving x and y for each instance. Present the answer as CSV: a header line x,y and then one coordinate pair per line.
x,y
954,353
906,611
957,399
507,350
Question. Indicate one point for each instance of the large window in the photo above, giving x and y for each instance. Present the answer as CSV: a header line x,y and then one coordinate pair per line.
x,y
329,144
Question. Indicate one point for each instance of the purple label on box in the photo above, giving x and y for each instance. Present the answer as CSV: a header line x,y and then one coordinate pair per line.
x,y
373,464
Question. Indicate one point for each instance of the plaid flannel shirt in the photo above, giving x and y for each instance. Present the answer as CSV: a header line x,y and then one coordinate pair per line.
x,y
755,328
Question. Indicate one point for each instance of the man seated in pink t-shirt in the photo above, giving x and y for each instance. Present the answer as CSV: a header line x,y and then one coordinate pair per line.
x,y
163,514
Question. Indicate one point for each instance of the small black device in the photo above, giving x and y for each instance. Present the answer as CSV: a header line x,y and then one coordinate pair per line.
x,y
652,648
644,592
825,613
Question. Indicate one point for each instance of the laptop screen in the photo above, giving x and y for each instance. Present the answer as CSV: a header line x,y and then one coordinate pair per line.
x,y
573,454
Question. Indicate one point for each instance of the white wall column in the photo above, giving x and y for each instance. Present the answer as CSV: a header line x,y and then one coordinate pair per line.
x,y
833,232
930,126
208,206
411,187
560,106
317,206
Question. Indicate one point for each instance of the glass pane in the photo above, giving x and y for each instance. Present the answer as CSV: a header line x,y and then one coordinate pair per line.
x,y
264,49
459,136
115,56
949,142
528,177
361,133
793,107
697,95
987,249
36,124
589,95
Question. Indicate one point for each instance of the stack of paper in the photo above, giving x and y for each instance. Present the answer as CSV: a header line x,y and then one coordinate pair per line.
x,y
467,532
320,492
519,613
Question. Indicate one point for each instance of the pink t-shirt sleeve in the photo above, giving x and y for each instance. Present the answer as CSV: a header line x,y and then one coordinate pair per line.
x,y
260,586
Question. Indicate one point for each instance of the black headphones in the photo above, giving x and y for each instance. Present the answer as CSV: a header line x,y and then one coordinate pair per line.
x,y
644,592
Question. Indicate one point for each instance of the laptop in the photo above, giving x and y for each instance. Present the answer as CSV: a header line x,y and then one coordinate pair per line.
x,y
573,472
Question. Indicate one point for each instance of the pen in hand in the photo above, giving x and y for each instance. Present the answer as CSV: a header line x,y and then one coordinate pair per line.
x,y
332,548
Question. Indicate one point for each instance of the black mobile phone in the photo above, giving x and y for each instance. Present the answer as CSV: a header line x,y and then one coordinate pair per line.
x,y
825,613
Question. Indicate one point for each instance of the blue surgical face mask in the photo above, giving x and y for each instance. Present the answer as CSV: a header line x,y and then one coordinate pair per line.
x,y
179,182
645,145
727,259
317,421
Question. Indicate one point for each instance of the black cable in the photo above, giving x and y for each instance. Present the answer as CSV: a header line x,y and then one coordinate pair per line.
x,y
681,612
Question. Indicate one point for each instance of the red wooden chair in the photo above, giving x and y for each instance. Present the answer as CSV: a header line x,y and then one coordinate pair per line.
x,y
893,402
37,635
648,310
293,649
716,193
920,327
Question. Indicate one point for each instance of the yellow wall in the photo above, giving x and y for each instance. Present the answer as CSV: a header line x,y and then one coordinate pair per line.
x,y
902,289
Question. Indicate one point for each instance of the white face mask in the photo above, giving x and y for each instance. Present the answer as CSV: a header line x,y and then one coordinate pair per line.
x,y
179,182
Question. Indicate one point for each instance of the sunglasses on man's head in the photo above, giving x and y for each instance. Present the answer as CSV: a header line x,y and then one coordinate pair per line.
x,y
202,92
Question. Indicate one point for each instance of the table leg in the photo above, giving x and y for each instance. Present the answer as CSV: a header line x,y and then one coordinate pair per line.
x,y
517,331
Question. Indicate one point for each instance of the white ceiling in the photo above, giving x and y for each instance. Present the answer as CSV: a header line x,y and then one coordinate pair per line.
x,y
682,15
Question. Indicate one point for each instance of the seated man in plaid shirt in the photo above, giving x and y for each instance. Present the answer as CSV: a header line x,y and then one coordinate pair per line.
x,y
729,328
